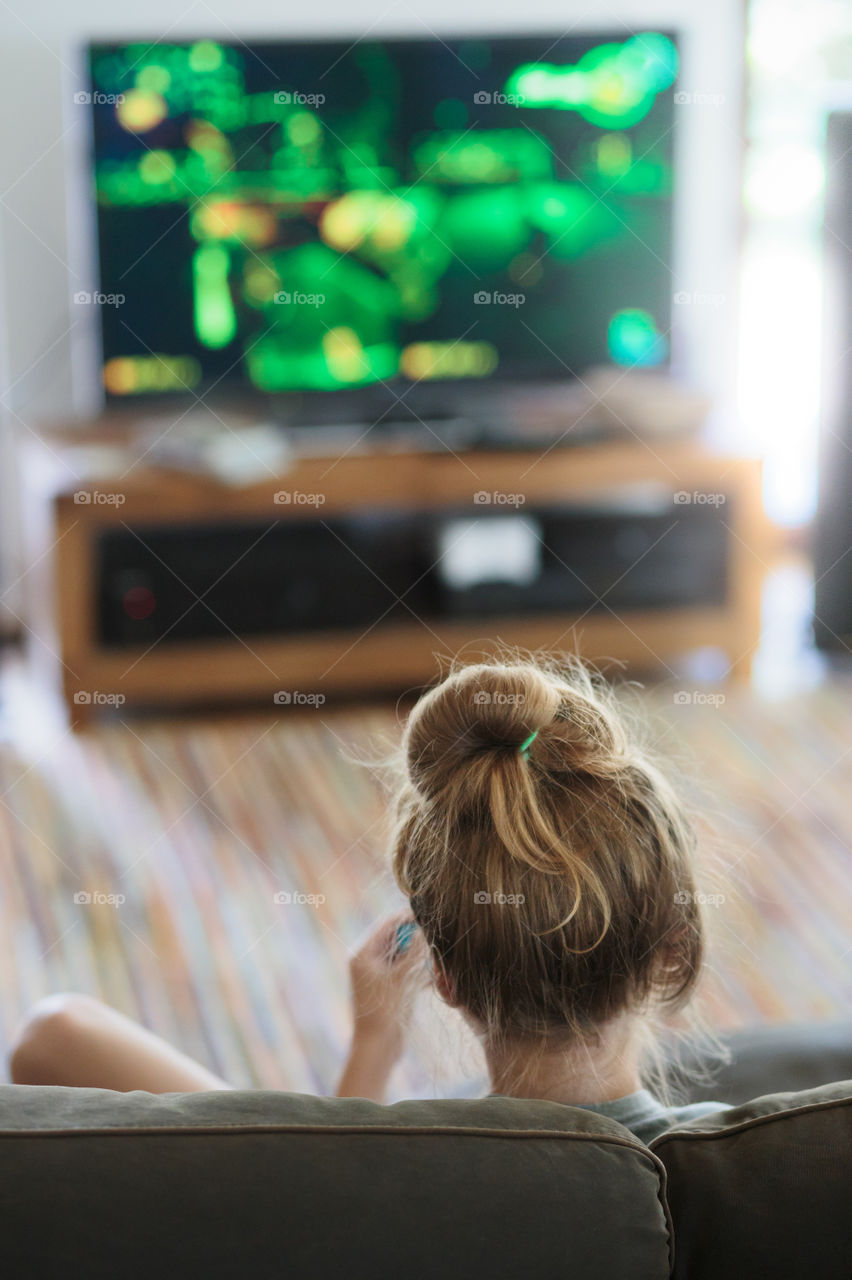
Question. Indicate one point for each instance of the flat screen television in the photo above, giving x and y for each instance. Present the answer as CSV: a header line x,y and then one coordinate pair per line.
x,y
311,218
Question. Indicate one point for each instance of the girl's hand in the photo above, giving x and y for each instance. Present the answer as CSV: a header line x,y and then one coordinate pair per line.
x,y
382,974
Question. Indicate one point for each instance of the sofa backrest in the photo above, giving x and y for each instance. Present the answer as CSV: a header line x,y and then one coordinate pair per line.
x,y
100,1184
220,1185
764,1189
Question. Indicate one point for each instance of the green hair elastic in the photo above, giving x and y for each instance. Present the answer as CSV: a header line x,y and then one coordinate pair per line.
x,y
524,748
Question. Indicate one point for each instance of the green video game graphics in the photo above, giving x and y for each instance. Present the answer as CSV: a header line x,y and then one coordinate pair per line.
x,y
317,216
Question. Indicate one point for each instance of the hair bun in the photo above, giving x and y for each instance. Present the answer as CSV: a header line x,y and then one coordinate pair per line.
x,y
483,713
476,711
555,886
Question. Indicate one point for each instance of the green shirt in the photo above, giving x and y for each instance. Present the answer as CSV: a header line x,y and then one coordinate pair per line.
x,y
647,1118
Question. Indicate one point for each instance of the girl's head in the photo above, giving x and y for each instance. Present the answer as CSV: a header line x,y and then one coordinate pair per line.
x,y
554,884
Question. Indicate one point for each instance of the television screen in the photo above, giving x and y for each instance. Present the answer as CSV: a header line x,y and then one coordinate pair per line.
x,y
321,216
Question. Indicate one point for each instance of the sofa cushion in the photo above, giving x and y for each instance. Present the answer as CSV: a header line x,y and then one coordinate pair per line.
x,y
263,1184
764,1189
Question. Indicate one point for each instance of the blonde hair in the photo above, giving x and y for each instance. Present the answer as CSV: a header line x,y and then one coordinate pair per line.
x,y
555,885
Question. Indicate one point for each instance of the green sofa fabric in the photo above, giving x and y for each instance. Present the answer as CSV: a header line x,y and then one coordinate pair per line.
x,y
246,1185
764,1190
258,1184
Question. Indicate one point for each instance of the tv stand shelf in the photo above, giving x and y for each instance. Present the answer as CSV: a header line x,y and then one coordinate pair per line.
x,y
63,532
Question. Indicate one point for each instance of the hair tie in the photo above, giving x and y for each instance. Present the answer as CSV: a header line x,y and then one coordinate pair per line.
x,y
524,748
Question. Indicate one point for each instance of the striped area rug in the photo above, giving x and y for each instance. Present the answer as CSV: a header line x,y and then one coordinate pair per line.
x,y
210,877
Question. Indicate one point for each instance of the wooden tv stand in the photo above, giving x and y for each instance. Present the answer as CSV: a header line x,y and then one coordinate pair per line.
x,y
61,539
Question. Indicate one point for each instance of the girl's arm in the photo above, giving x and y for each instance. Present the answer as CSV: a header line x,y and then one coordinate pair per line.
x,y
368,1067
383,972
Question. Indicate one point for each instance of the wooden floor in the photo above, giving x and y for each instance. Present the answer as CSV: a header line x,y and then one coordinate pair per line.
x,y
182,833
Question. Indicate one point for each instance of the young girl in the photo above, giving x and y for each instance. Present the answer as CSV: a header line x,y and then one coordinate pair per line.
x,y
549,869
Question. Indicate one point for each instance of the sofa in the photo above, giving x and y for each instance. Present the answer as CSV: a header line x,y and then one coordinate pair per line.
x,y
262,1184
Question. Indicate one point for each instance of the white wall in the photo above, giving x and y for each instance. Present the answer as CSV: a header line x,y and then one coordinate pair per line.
x,y
38,55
